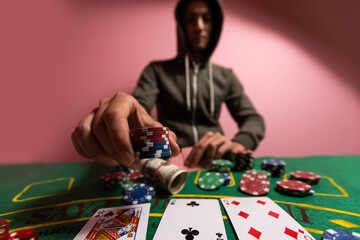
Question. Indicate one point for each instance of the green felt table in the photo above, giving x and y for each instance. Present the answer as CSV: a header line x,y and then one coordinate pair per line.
x,y
56,199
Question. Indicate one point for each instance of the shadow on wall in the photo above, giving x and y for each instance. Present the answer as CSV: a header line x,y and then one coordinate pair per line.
x,y
328,30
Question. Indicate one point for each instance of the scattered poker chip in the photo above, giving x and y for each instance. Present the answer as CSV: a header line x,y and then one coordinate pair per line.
x,y
227,178
26,234
337,234
254,183
134,175
307,177
293,187
139,193
210,181
112,179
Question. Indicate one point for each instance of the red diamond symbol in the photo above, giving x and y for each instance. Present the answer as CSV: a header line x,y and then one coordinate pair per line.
x,y
273,214
255,233
243,214
235,203
291,233
261,202
301,231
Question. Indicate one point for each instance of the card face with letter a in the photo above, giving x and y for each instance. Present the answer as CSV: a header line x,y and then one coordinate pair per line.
x,y
125,222
261,218
191,219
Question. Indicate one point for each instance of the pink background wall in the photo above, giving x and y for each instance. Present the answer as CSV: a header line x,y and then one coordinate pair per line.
x,y
298,60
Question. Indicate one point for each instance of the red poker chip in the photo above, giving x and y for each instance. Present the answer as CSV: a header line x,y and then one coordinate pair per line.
x,y
162,136
134,175
153,140
148,129
27,234
293,185
253,175
254,184
113,176
307,177
150,133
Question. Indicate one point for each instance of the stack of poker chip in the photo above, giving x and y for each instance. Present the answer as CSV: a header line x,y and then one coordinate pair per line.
x,y
294,188
275,167
152,142
220,165
254,183
243,161
306,177
337,234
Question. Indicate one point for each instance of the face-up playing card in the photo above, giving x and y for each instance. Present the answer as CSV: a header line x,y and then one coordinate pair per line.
x,y
191,219
126,222
260,218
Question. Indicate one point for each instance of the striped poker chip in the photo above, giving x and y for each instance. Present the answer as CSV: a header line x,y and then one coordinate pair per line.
x,y
139,193
254,183
227,178
151,133
210,181
134,175
149,129
154,155
259,171
293,186
153,148
151,144
152,152
273,162
154,140
163,136
307,177
337,234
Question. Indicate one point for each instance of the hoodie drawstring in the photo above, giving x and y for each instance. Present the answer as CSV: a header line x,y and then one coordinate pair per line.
x,y
211,85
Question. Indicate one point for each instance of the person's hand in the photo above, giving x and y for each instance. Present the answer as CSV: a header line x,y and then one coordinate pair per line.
x,y
211,146
103,135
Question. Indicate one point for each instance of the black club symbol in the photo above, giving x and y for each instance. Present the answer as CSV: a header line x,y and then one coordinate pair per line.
x,y
189,234
193,204
219,235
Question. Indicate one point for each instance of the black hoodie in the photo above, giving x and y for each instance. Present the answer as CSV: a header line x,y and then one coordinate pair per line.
x,y
189,97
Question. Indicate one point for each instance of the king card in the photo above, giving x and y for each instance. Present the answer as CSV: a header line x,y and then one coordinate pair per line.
x,y
125,222
195,219
261,218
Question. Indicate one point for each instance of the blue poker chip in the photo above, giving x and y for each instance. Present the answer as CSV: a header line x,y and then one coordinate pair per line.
x,y
153,155
150,144
337,234
152,148
227,178
274,162
139,193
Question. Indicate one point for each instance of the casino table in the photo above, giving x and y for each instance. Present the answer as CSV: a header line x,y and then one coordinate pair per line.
x,y
57,199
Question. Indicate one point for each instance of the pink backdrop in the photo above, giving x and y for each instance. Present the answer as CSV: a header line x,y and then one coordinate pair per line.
x,y
298,60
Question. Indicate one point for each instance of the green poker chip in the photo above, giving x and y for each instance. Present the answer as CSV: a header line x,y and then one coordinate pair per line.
x,y
266,173
210,181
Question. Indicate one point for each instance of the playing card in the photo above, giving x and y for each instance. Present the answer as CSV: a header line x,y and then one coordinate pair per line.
x,y
194,219
261,218
126,222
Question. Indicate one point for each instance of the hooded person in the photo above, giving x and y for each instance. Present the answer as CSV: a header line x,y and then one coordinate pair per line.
x,y
189,90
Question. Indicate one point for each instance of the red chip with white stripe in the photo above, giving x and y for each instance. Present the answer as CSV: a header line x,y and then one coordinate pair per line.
x,y
293,185
255,184
307,177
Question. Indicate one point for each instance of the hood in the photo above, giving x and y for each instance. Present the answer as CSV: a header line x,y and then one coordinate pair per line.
x,y
182,44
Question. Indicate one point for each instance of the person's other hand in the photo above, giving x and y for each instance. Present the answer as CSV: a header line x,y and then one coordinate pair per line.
x,y
104,134
211,146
